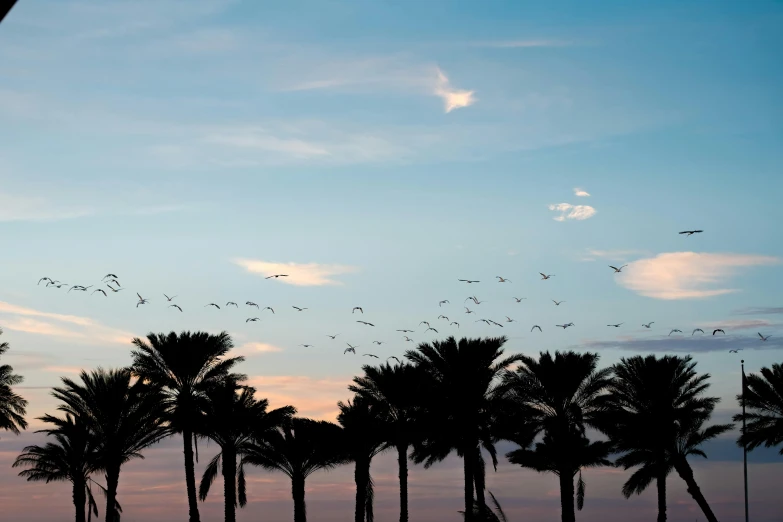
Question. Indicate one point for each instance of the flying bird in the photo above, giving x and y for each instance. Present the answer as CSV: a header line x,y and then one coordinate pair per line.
x,y
252,319
454,322
519,299
536,326
443,317
378,342
332,336
101,290
169,298
408,339
482,321
113,281
735,351
468,310
395,358
615,325
691,232
424,322
442,302
175,306
675,330
544,276
251,303
276,276
141,300
509,320
496,323
718,330
357,308
109,287
764,338
557,303
433,329
44,279
232,303
268,308
697,330
370,355
109,275
474,299
503,279
405,331
299,309
351,349
648,324
306,345
469,281
563,326
212,304
365,322
617,270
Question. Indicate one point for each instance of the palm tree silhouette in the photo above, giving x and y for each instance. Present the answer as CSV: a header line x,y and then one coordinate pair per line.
x,y
395,391
764,397
653,414
232,420
559,397
70,458
364,433
185,366
124,416
299,448
12,406
459,399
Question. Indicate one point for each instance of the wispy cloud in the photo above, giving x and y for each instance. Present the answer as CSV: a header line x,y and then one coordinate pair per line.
x,y
582,193
64,326
688,344
313,397
727,325
452,98
21,208
569,211
522,44
253,349
687,275
610,255
759,310
298,274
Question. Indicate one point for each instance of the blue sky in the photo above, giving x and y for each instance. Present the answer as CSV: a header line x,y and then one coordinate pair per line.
x,y
378,152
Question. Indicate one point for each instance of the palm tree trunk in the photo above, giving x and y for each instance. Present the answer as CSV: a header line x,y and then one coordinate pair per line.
x,y
229,484
79,499
298,493
402,460
112,483
567,496
190,476
661,483
468,461
479,474
686,473
360,476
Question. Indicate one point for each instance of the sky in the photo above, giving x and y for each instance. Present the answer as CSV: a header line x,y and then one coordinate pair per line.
x,y
378,152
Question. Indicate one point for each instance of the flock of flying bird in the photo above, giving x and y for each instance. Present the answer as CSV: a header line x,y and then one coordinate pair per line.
x,y
111,281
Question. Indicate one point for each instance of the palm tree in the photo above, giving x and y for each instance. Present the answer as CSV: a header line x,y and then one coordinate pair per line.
x,y
486,514
395,389
70,458
764,397
459,401
653,414
185,366
559,397
364,432
12,406
232,420
299,448
124,416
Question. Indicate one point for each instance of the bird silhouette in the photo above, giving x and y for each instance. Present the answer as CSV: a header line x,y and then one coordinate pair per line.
x,y
408,339
433,329
443,302
232,303
332,336
536,326
251,303
469,281
424,322
696,330
503,279
558,303
276,276
365,322
764,338
617,270
252,319
735,351
212,304
454,322
169,298
357,308
468,310
691,232
509,320
675,330
405,331
175,306
351,349
268,308
519,299
299,309
141,300
615,325
44,279
369,355
101,290
107,276
545,276
443,317
718,330
395,358
378,342
648,324
306,345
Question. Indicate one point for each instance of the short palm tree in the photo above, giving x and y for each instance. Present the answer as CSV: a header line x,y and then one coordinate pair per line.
x,y
185,366
124,415
460,395
12,406
364,429
559,397
654,414
71,457
299,448
233,418
764,398
395,389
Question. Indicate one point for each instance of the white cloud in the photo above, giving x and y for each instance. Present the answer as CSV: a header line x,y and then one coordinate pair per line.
x,y
452,98
254,348
260,139
582,193
299,274
687,275
313,397
21,208
569,211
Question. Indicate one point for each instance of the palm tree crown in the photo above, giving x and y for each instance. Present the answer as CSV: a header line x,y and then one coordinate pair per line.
x,y
764,398
12,406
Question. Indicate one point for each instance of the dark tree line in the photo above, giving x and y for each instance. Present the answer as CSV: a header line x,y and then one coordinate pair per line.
x,y
566,415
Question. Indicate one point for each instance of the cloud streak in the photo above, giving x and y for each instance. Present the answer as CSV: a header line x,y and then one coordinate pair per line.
x,y
298,274
522,44
687,275
582,193
452,98
759,311
687,344
313,397
572,212
253,349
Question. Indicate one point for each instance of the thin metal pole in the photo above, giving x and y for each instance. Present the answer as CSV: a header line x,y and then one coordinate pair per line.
x,y
744,445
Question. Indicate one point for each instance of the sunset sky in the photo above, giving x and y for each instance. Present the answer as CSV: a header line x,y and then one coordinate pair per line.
x,y
377,152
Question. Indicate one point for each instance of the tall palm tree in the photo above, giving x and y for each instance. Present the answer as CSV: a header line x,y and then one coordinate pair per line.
x,y
125,416
654,413
364,430
70,458
764,397
559,397
396,390
233,418
185,366
299,448
459,400
12,406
